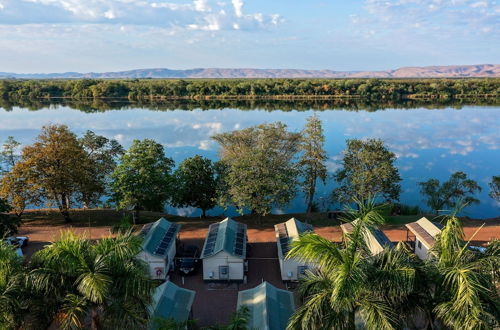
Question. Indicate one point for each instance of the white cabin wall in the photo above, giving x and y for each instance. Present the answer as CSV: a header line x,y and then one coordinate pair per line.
x,y
422,252
154,263
211,264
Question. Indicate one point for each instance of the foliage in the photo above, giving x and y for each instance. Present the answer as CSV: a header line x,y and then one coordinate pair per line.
x,y
465,281
123,226
8,156
238,321
171,324
8,224
102,155
134,89
196,184
102,281
367,170
450,193
12,289
350,282
313,158
261,172
495,188
143,179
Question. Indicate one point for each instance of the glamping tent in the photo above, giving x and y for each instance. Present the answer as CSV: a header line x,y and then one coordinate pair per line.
x,y
159,247
374,237
224,251
270,308
171,302
286,232
421,235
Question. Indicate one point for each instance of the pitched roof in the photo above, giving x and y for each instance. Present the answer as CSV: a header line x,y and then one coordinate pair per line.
x,y
229,236
375,238
288,231
425,230
159,236
171,302
269,307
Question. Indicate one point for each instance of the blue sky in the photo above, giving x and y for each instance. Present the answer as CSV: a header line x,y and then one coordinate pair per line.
x,y
111,35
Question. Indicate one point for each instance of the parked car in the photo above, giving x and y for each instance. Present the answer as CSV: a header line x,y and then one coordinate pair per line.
x,y
188,261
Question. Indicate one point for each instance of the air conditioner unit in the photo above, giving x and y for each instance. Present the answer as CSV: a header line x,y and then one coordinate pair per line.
x,y
211,275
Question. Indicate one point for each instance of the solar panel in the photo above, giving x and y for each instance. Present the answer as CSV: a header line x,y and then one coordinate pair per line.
x,y
238,251
160,251
240,236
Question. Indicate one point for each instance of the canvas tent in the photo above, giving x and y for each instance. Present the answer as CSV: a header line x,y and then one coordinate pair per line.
x,y
171,302
422,235
159,247
375,238
270,308
224,251
286,232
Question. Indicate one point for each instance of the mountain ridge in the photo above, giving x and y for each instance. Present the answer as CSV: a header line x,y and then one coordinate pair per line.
x,y
449,71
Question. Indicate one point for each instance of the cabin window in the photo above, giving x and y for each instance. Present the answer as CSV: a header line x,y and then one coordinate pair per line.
x,y
301,270
419,244
224,272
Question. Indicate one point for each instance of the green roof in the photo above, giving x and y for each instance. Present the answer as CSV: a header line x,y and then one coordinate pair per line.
x,y
159,236
270,308
171,302
229,236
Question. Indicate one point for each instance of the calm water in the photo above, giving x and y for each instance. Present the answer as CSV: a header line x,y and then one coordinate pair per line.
x,y
429,143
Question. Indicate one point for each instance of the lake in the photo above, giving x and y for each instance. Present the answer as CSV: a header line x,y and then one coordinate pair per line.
x,y
430,142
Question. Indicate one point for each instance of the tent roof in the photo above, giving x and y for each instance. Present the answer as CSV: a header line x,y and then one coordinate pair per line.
x,y
159,236
375,238
425,230
171,302
270,308
229,236
288,231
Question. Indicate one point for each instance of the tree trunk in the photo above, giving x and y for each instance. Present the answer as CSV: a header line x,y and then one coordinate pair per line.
x,y
203,213
135,215
64,208
94,318
310,198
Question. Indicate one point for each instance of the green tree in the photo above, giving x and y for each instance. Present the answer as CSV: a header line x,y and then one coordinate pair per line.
x,y
196,184
495,188
143,179
53,166
12,289
101,281
8,224
261,167
312,160
8,155
102,155
367,170
456,190
350,283
464,293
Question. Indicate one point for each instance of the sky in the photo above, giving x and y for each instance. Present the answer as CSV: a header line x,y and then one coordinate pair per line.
x,y
112,35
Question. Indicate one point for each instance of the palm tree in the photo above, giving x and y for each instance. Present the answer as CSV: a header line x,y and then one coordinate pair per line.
x,y
238,321
12,277
102,281
351,284
465,280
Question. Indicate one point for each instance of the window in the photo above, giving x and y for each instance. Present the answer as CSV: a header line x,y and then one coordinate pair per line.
x,y
301,271
224,272
419,244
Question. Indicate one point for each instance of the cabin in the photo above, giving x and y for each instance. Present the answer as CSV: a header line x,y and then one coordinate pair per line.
x,y
375,238
159,247
421,235
171,302
224,251
269,308
286,232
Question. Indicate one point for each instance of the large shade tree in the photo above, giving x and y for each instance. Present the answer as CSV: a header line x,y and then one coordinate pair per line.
x,y
457,189
102,283
196,182
143,180
313,158
367,170
350,283
495,188
262,171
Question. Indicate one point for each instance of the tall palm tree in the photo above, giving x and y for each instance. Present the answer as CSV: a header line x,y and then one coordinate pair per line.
x,y
465,280
350,285
102,281
12,277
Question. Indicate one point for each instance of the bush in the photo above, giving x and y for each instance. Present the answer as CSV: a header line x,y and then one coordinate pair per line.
x,y
124,225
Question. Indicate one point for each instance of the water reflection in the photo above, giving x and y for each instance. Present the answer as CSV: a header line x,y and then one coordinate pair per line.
x,y
429,143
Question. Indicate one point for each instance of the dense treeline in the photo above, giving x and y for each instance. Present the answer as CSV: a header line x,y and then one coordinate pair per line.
x,y
351,104
134,89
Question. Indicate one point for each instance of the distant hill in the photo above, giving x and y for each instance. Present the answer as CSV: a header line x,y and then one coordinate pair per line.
x,y
452,71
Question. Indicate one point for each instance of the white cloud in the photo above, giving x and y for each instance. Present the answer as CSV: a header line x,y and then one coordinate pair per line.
x,y
238,6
